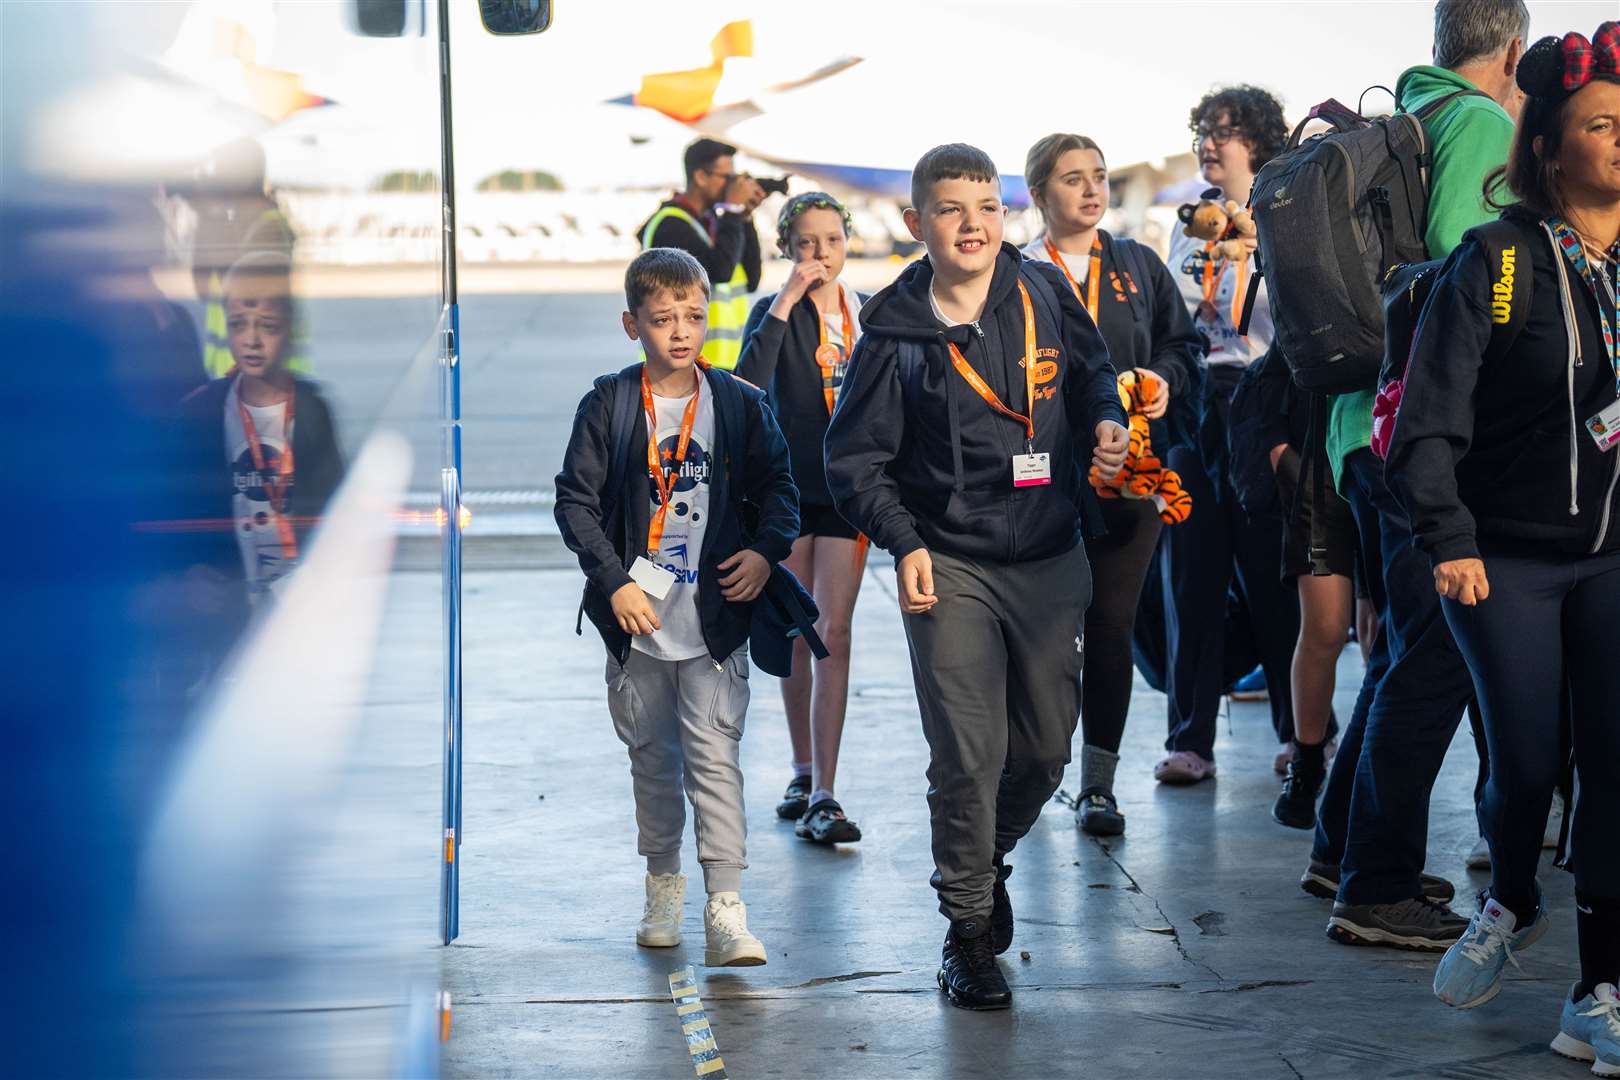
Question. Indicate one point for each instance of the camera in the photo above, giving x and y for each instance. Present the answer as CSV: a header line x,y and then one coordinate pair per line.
x,y
773,185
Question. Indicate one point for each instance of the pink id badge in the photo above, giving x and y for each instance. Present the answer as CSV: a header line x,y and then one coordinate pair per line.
x,y
1031,470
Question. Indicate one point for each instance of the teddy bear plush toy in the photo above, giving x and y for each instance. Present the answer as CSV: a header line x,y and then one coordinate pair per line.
x,y
1144,475
1226,225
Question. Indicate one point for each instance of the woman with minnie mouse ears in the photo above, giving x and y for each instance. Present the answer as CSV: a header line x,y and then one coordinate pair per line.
x,y
1515,497
796,347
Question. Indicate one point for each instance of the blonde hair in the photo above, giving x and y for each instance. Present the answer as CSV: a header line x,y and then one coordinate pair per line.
x,y
1042,159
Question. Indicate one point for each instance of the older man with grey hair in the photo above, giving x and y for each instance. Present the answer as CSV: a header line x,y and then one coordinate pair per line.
x,y
1372,829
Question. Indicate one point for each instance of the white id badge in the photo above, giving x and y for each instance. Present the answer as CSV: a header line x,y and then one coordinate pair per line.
x,y
655,581
1605,427
1031,470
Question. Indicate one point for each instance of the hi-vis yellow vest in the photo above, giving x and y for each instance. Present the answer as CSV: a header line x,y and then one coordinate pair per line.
x,y
728,301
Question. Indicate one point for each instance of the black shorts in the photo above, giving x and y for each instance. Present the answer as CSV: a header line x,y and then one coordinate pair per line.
x,y
824,521
1340,539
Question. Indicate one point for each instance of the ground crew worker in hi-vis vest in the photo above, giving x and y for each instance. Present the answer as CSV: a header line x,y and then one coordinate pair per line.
x,y
712,220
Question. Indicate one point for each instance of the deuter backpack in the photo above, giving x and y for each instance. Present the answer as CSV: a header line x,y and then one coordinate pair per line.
x,y
1334,213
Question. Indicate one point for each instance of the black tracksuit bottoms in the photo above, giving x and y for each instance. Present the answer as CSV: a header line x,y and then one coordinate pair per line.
x,y
997,665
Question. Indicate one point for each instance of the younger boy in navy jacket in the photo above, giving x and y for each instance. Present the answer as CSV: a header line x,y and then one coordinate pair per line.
x,y
673,571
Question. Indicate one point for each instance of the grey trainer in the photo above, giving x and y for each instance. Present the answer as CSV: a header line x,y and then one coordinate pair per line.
x,y
1419,923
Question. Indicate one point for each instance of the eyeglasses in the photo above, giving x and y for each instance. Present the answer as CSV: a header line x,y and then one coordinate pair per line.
x,y
1220,136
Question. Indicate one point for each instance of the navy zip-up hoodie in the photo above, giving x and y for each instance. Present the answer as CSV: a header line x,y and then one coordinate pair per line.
x,y
1498,450
916,459
743,428
779,356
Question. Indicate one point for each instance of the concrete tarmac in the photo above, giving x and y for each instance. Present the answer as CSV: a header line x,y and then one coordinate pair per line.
x,y
1183,949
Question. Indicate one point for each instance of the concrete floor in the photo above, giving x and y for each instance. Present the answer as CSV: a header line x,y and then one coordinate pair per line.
x,y
1185,948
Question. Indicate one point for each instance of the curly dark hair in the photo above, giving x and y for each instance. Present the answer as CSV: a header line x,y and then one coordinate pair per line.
x,y
1255,111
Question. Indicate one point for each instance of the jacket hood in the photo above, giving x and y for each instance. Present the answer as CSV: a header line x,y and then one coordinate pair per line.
x,y
904,310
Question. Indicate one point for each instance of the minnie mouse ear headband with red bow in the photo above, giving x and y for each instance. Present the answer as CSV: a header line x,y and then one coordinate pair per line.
x,y
1557,67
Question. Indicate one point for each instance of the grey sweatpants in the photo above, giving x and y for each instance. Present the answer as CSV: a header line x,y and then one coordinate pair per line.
x,y
997,665
684,719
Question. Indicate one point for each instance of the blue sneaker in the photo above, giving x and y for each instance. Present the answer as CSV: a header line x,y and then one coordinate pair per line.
x,y
1589,1030
1252,687
1470,973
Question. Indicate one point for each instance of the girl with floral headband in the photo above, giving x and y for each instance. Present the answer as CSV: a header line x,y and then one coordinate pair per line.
x,y
1514,494
797,347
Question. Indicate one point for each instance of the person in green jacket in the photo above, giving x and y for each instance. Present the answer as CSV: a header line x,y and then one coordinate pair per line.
x,y
1373,824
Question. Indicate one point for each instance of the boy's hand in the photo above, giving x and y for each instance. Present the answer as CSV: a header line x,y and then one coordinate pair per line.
x,y
747,580
1462,580
916,573
805,276
1112,442
1161,400
634,611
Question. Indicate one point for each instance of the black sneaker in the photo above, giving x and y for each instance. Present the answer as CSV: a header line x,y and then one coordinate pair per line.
x,y
1099,814
1001,916
795,800
968,972
1296,803
1419,924
1322,880
825,823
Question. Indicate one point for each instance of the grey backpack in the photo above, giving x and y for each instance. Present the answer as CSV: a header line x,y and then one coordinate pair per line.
x,y
1334,213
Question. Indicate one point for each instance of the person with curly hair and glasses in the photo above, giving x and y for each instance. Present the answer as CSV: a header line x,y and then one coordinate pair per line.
x,y
1236,130
1504,457
796,347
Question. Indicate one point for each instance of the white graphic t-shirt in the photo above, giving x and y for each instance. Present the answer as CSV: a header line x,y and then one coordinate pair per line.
x,y
684,527
258,535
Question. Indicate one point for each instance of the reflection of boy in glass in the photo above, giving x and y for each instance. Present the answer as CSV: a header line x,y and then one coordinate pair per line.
x,y
273,431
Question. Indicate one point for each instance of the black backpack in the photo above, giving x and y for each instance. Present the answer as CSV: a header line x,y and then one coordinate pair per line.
x,y
1334,213
1406,293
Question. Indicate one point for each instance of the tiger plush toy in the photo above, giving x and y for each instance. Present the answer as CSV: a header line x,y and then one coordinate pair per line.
x,y
1144,476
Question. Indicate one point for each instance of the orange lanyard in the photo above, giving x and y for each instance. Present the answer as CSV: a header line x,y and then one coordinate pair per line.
x,y
665,482
278,488
982,388
1212,283
1093,283
828,355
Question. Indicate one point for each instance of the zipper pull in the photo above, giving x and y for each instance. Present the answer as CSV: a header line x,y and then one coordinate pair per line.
x,y
977,329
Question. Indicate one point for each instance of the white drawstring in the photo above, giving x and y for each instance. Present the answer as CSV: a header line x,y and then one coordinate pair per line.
x,y
1574,362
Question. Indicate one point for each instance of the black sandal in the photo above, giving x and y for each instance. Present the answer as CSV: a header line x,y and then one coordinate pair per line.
x,y
795,800
825,823
1099,814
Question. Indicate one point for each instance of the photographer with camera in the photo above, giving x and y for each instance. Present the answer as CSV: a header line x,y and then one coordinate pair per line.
x,y
712,221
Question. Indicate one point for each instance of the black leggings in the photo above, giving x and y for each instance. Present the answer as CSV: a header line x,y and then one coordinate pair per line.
x,y
1546,631
1119,565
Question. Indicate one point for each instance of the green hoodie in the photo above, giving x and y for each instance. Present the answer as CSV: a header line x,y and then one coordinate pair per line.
x,y
1469,137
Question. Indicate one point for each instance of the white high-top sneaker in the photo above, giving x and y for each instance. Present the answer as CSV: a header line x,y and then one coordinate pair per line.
x,y
661,921
725,928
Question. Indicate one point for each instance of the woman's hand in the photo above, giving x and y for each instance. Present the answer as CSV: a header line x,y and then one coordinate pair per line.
x,y
1161,400
1462,580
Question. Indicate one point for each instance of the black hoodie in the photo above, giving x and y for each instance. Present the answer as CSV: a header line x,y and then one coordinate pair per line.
x,y
1498,449
916,459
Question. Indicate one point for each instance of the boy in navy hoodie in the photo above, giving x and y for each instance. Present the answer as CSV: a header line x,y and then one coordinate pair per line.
x,y
673,571
973,406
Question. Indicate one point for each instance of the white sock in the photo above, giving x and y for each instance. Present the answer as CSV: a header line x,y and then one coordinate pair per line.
x,y
801,768
819,794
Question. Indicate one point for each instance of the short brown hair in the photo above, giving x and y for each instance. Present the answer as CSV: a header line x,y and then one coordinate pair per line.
x,y
1042,159
662,268
952,161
